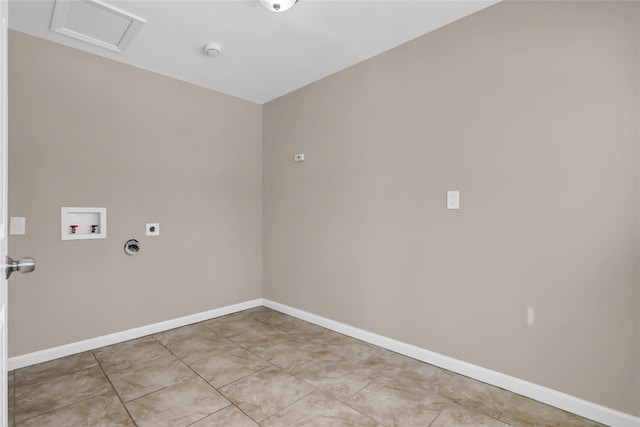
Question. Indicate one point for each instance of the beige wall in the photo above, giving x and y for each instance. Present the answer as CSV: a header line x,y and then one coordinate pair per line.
x,y
531,110
86,131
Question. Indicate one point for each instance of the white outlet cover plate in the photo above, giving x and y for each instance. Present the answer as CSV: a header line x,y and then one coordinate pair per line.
x,y
17,225
453,200
156,229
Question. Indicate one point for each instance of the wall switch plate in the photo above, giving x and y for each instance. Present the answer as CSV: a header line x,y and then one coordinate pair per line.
x,y
453,200
153,229
298,157
17,225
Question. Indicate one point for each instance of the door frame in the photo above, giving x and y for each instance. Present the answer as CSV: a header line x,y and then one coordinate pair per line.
x,y
4,409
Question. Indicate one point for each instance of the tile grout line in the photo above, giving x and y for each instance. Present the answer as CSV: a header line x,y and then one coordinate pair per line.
x,y
147,394
52,379
290,404
165,346
371,380
131,366
222,352
311,385
58,408
271,365
504,407
344,402
470,409
264,344
115,391
196,372
355,409
279,328
232,382
207,416
436,418
231,403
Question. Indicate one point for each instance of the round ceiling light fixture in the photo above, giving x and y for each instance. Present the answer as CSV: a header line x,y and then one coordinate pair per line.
x,y
211,49
278,5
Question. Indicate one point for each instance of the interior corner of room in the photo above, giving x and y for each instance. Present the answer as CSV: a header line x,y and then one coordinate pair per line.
x,y
535,275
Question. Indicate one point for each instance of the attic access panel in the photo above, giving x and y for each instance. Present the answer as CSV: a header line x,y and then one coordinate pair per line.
x,y
95,22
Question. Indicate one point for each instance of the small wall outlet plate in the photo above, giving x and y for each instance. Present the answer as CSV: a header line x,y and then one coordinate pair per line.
x,y
453,200
153,229
298,157
17,225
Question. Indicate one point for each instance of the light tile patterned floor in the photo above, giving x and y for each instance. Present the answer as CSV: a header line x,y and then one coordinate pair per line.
x,y
260,368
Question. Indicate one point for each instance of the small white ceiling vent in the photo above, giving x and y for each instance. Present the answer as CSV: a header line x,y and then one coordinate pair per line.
x,y
95,22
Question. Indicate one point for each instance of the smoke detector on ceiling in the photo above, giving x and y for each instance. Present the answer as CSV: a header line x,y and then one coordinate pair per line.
x,y
211,49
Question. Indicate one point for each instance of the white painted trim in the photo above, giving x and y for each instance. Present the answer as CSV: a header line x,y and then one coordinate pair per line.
x,y
537,392
93,343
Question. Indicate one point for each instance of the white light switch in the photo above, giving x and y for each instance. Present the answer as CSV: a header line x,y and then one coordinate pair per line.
x,y
453,200
17,225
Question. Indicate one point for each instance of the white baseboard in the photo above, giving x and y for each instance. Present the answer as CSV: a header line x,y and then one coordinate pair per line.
x,y
546,395
537,392
93,343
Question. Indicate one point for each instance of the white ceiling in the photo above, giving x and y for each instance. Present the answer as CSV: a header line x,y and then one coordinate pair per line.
x,y
264,54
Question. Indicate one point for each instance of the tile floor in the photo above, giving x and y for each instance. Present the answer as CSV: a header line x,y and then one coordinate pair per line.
x,y
260,368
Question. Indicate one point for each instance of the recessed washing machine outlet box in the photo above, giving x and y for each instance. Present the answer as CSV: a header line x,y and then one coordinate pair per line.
x,y
153,229
83,223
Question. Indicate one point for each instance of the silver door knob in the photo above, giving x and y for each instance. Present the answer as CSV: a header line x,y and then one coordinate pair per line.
x,y
23,265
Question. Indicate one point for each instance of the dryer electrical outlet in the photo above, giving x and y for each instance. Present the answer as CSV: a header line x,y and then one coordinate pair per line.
x,y
153,229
